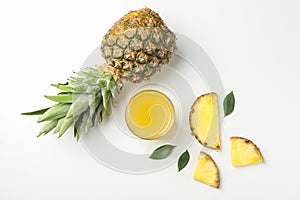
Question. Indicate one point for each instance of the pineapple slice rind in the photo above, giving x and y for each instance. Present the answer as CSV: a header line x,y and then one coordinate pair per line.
x,y
244,152
207,171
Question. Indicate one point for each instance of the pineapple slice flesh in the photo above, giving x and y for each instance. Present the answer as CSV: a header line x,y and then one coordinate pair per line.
x,y
244,152
204,120
207,171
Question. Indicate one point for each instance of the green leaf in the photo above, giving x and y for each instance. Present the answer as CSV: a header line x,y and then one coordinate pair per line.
x,y
162,152
47,127
58,125
65,126
89,121
105,95
76,134
37,112
99,113
84,120
63,87
229,103
55,112
114,92
80,88
78,106
183,160
61,98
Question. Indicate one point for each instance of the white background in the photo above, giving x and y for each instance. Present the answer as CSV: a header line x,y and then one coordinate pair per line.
x,y
254,44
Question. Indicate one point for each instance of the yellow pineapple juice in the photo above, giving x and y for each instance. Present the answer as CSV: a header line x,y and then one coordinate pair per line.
x,y
149,114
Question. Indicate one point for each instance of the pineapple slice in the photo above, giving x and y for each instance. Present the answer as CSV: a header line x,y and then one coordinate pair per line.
x,y
207,171
204,120
244,152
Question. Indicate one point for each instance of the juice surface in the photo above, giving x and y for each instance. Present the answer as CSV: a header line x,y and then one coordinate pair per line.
x,y
149,114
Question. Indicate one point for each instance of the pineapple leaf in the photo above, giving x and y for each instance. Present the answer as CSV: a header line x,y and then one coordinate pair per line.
x,y
58,125
76,129
65,126
82,127
76,134
99,114
114,92
61,98
80,88
101,82
78,106
105,97
63,87
55,112
90,81
47,127
93,89
37,112
89,122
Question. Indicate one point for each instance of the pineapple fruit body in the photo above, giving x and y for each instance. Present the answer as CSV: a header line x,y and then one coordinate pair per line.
x,y
138,44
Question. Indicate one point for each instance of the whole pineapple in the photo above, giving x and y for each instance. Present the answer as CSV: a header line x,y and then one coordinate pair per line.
x,y
134,48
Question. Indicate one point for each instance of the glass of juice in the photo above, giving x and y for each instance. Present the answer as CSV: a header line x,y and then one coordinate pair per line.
x,y
149,114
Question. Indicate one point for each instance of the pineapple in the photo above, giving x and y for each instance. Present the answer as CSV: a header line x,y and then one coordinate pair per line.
x,y
204,120
244,152
207,171
134,48
138,44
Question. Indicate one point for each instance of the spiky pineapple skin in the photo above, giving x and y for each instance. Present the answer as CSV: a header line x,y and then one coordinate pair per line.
x,y
138,44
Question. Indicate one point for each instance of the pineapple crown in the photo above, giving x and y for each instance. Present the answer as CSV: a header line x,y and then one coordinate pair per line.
x,y
85,98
